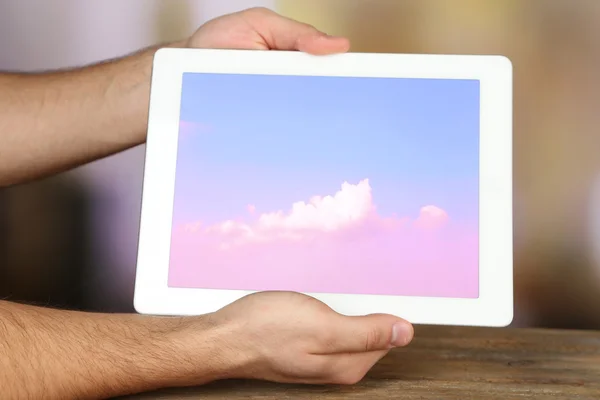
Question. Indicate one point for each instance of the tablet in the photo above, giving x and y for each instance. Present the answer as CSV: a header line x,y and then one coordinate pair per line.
x,y
376,183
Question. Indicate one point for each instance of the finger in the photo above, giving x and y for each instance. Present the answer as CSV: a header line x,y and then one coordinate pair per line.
x,y
346,368
281,33
369,333
323,44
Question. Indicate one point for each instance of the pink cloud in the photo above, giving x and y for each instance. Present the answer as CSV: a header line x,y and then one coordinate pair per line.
x,y
333,243
432,217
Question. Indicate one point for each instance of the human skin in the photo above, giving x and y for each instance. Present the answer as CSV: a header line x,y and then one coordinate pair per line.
x,y
51,122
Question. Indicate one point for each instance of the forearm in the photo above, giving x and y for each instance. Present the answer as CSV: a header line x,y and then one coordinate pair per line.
x,y
51,122
54,354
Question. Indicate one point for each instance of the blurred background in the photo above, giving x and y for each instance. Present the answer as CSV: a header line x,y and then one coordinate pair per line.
x,y
70,241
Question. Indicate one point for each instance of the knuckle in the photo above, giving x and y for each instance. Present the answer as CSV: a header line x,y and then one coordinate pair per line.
x,y
262,11
373,339
307,26
328,342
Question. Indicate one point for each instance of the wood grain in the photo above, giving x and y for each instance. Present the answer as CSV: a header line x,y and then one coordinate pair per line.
x,y
451,363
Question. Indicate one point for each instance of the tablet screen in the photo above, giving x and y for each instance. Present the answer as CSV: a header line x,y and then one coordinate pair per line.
x,y
327,185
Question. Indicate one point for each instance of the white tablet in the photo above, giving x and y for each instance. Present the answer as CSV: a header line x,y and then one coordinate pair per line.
x,y
377,183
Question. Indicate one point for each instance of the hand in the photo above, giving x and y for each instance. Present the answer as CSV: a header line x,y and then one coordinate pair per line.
x,y
283,336
263,29
293,338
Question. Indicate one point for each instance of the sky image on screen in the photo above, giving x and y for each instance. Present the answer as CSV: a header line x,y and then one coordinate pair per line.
x,y
327,185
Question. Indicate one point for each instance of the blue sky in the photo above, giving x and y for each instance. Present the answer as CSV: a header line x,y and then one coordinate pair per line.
x,y
275,140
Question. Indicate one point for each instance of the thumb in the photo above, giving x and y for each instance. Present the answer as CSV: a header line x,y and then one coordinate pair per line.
x,y
282,33
371,333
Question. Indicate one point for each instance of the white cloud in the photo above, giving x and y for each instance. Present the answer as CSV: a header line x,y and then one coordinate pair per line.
x,y
350,207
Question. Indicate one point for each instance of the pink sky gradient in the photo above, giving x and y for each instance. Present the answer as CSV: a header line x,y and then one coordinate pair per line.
x,y
187,128
329,244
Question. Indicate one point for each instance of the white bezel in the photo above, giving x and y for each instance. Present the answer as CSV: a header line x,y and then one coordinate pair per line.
x,y
494,307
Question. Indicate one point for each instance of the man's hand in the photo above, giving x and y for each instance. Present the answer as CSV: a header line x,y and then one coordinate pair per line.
x,y
54,121
293,338
51,122
275,336
263,29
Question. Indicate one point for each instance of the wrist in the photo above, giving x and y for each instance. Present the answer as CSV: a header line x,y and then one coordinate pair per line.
x,y
179,44
202,351
133,88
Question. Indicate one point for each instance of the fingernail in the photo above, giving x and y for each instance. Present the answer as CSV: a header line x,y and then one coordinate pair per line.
x,y
402,333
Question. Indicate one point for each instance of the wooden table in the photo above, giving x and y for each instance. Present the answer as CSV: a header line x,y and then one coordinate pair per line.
x,y
452,363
